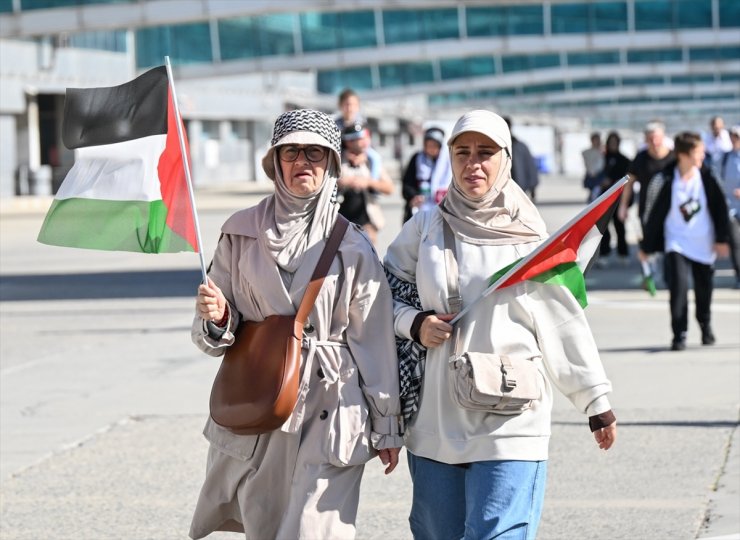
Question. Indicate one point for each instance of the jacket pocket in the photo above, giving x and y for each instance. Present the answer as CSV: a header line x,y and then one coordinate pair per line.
x,y
349,439
239,447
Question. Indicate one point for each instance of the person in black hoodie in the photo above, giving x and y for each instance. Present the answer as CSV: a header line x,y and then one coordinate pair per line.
x,y
686,217
615,167
421,168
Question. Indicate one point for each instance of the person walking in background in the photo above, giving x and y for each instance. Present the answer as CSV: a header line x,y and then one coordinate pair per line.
x,y
478,473
686,218
647,163
350,115
427,174
593,159
523,166
729,167
717,143
615,167
301,481
358,189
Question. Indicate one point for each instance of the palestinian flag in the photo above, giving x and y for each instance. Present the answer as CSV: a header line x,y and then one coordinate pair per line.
x,y
127,190
565,257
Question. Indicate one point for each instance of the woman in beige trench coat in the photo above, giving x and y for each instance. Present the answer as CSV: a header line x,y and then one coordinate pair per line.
x,y
302,480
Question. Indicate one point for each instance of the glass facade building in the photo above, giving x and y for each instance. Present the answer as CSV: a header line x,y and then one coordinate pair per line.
x,y
384,48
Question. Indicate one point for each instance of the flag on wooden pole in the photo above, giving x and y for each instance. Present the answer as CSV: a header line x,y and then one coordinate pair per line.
x,y
127,190
565,257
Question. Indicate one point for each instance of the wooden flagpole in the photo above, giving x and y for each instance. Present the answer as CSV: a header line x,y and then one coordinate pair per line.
x,y
186,165
618,185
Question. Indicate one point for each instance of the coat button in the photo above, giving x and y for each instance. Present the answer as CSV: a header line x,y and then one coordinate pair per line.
x,y
324,415
308,328
320,373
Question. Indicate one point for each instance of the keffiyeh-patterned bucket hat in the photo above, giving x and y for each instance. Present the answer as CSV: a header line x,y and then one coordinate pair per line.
x,y
303,126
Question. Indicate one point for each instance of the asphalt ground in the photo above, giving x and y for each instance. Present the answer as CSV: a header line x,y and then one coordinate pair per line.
x,y
103,397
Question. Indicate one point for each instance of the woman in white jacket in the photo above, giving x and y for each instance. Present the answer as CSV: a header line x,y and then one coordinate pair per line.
x,y
481,474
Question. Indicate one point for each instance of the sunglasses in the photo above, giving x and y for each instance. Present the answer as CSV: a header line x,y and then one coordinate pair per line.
x,y
313,153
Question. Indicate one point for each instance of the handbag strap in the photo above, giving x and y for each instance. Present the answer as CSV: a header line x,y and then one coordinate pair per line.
x,y
454,300
322,268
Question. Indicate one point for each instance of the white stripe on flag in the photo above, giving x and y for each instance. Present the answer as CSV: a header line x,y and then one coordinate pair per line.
x,y
125,171
588,247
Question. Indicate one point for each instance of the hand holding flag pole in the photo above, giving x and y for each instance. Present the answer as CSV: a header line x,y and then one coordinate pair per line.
x,y
186,166
571,249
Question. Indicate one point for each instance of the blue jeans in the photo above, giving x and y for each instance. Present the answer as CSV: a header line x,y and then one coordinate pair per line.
x,y
476,501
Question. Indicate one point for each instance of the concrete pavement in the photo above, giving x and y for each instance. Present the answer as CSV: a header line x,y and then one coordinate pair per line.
x,y
103,398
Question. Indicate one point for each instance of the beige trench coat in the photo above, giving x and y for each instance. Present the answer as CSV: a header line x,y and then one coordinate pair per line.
x,y
303,480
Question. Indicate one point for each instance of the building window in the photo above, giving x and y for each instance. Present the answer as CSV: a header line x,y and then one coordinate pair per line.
x,y
657,55
504,21
46,4
184,44
405,74
692,79
693,14
248,37
671,14
582,84
589,17
641,81
593,58
104,40
460,68
714,54
346,30
729,13
527,62
333,81
608,17
541,88
403,26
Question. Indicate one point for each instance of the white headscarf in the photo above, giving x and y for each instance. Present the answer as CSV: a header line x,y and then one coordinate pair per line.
x,y
504,215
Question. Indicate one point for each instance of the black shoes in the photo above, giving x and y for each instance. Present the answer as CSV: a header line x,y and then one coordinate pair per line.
x,y
707,338
679,342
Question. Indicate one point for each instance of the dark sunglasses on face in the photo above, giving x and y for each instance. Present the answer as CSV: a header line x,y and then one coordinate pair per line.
x,y
313,153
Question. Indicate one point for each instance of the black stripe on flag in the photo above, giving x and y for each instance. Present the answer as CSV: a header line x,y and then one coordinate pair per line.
x,y
136,109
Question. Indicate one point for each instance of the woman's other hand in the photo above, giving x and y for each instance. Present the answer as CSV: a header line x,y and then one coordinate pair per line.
x,y
210,302
434,330
389,456
722,250
605,437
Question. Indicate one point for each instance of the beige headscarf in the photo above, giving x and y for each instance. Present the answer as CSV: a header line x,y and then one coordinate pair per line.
x,y
504,215
293,223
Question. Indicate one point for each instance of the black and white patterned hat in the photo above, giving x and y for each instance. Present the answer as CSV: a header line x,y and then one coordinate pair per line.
x,y
303,126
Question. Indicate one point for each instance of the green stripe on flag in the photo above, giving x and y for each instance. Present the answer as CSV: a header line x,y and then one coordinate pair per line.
x,y
497,275
138,226
566,275
569,276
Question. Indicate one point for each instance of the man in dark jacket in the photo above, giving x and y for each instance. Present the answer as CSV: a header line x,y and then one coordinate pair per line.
x,y
686,217
523,166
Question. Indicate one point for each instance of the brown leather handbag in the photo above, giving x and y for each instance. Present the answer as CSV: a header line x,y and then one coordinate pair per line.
x,y
256,387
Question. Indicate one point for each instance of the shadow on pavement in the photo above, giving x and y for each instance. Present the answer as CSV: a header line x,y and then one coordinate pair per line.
x,y
668,423
146,284
183,283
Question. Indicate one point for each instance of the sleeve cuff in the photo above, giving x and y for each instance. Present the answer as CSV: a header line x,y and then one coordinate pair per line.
x,y
388,425
602,420
416,325
218,337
